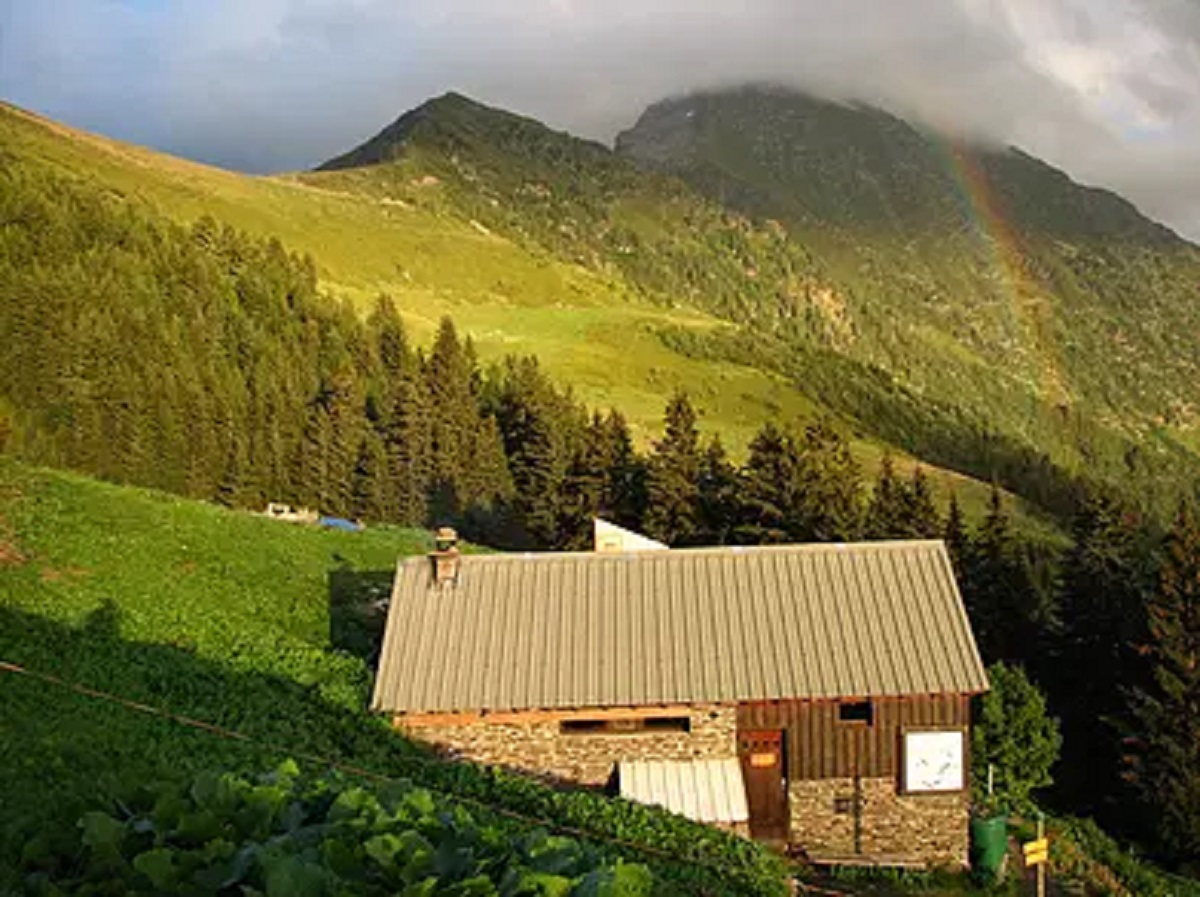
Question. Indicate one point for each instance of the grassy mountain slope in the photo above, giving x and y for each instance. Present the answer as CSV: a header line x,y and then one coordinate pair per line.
x,y
247,623
615,324
980,277
589,329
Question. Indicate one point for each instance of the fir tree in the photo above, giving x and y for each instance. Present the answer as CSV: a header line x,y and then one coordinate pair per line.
x,y
1001,599
672,479
768,489
886,516
1103,589
717,495
1166,767
921,518
829,501
624,498
368,498
408,448
958,540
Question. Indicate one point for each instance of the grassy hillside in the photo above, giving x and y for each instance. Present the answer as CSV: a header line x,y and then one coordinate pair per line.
x,y
611,331
589,329
246,623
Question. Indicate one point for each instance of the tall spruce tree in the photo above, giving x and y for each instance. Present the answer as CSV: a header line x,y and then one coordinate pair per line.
x,y
717,496
1003,603
768,491
543,439
829,500
887,511
673,477
624,497
958,539
921,517
1166,768
1103,591
454,424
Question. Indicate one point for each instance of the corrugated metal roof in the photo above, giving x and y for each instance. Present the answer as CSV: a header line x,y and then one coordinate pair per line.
x,y
677,627
703,790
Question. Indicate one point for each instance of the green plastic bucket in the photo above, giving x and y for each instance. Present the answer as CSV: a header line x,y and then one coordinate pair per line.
x,y
989,843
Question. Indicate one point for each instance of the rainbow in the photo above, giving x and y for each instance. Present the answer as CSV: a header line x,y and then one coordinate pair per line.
x,y
1002,246
982,208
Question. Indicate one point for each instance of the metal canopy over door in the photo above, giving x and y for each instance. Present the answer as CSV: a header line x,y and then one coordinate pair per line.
x,y
761,755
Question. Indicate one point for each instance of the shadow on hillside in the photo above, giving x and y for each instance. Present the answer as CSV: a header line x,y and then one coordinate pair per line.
x,y
65,752
358,610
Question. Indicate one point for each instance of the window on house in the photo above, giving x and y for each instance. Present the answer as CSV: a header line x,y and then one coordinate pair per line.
x,y
667,724
861,712
581,726
625,726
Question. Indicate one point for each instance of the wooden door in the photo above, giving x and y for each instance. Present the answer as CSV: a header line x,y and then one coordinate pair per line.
x,y
761,755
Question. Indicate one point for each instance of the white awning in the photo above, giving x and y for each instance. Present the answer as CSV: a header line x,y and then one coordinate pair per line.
x,y
703,790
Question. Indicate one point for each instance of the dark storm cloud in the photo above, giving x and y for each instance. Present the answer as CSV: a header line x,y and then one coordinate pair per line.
x,y
1109,89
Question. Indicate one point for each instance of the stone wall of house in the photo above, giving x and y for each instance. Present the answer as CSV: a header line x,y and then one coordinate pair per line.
x,y
926,828
540,748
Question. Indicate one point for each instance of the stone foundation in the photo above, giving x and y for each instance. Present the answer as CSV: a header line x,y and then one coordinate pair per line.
x,y
539,747
931,829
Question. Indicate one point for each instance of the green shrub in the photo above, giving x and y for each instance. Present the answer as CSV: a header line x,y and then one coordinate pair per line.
x,y
285,834
1015,735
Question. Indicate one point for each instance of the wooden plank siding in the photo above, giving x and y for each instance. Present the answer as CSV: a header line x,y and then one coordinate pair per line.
x,y
820,746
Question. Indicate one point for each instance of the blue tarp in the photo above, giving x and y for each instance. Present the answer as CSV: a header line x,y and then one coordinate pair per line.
x,y
339,523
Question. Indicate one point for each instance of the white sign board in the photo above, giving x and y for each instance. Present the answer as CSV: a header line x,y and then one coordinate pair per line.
x,y
933,761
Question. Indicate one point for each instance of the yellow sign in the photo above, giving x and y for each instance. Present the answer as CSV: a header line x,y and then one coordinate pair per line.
x,y
1036,852
761,760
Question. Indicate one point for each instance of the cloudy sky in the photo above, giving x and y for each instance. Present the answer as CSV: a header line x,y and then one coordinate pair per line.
x,y
1108,89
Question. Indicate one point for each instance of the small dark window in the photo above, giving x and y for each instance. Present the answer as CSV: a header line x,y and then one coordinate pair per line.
x,y
842,805
582,726
856,712
627,726
667,724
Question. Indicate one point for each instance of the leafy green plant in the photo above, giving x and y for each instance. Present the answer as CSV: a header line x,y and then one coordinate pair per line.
x,y
284,834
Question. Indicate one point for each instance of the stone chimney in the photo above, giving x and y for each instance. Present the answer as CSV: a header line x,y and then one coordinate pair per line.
x,y
444,559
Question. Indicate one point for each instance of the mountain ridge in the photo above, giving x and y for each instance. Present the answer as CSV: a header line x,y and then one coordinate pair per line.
x,y
855,241
632,284
685,117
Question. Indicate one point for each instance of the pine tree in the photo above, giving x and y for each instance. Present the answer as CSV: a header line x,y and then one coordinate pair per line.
x,y
717,496
1166,768
543,439
342,401
368,498
454,416
624,498
408,447
958,540
922,520
1103,589
768,489
829,505
1001,599
673,475
886,516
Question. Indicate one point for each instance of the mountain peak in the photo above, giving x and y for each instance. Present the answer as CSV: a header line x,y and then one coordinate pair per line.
x,y
775,151
447,121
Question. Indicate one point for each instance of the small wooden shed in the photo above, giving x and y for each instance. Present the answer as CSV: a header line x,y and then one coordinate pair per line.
x,y
838,677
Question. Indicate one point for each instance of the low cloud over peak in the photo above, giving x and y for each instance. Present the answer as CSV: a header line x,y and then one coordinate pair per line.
x,y
1108,89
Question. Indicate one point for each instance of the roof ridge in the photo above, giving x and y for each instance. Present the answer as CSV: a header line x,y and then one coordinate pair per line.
x,y
693,551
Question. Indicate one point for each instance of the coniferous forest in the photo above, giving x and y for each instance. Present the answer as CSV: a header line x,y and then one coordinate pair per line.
x,y
209,363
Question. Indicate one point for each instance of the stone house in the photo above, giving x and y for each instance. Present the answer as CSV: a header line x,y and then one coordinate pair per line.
x,y
810,695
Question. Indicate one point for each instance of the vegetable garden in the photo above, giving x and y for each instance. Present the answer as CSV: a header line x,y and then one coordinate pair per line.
x,y
226,618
